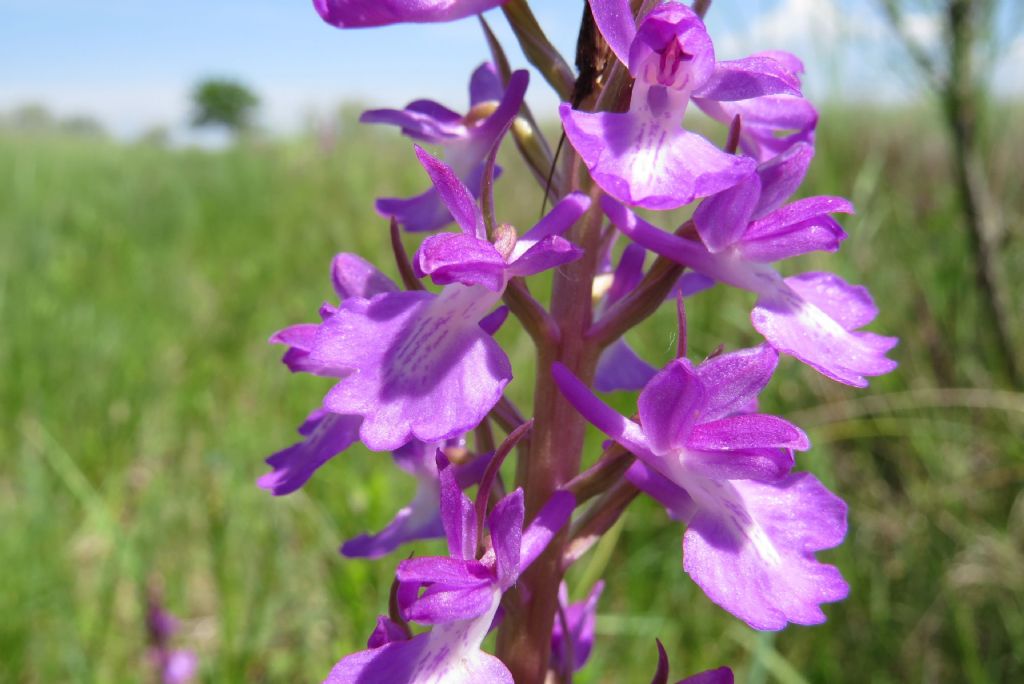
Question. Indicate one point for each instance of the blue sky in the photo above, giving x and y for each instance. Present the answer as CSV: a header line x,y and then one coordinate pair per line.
x,y
131,63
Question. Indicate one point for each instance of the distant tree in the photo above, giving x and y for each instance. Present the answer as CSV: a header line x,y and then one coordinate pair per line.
x,y
83,126
223,102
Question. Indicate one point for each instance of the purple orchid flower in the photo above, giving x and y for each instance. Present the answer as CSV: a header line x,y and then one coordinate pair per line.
x,y
421,518
752,527
721,675
580,619
328,434
770,124
175,666
366,13
813,316
418,365
644,157
461,594
466,141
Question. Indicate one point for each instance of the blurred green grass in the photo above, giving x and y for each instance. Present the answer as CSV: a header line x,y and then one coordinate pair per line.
x,y
138,286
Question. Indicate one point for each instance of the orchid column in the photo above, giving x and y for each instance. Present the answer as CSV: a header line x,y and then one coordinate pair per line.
x,y
419,374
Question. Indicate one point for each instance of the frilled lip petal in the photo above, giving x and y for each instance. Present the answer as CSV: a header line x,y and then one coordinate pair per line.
x,y
367,13
648,162
421,367
299,339
744,79
798,321
751,548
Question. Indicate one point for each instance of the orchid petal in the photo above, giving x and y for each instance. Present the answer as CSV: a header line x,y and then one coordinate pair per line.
x,y
669,406
744,79
614,19
455,195
605,418
751,549
551,518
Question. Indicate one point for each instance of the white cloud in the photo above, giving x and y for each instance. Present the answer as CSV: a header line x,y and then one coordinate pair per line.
x,y
924,29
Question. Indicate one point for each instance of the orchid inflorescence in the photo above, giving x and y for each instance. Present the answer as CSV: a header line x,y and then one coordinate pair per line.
x,y
419,373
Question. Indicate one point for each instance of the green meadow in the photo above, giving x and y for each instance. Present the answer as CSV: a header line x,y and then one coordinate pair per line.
x,y
139,284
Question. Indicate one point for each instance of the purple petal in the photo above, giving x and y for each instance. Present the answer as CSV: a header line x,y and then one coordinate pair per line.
x,y
460,202
421,519
722,675
763,119
506,525
493,321
672,48
749,431
354,276
422,213
485,85
486,134
763,465
386,631
669,406
365,13
650,162
550,252
614,19
581,619
680,250
628,273
732,381
441,570
767,241
850,305
179,667
751,549
457,513
781,176
796,326
551,518
418,364
743,79
448,653
299,339
421,120
604,418
689,284
722,218
292,467
619,368
461,258
561,217
439,604
674,498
